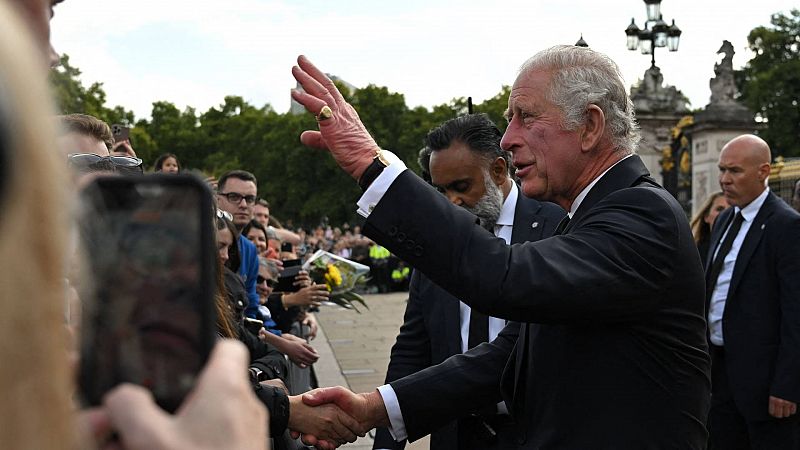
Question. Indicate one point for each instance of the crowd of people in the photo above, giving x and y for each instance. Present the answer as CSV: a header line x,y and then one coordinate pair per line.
x,y
559,299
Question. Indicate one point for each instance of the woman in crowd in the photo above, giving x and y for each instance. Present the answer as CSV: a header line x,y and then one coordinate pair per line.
x,y
257,234
167,163
703,221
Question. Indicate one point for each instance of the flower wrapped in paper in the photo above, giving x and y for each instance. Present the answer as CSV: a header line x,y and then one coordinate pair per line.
x,y
340,275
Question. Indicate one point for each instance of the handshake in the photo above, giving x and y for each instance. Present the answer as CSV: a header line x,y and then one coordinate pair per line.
x,y
329,417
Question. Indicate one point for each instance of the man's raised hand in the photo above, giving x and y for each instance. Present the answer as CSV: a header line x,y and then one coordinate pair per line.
x,y
342,133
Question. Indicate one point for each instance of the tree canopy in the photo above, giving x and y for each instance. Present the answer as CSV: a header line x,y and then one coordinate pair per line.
x,y
770,82
301,184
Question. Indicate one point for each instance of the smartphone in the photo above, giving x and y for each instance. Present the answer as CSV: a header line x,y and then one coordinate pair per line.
x,y
287,247
286,279
148,315
120,132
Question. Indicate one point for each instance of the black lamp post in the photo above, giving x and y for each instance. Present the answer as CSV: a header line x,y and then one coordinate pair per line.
x,y
656,32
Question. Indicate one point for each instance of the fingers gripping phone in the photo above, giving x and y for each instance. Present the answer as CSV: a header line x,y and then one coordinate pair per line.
x,y
149,314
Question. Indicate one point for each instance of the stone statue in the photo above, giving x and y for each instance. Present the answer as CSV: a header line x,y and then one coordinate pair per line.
x,y
651,95
723,87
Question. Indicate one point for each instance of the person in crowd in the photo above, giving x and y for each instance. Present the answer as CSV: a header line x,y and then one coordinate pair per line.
x,y
257,234
87,140
261,212
167,163
753,304
467,165
236,191
704,219
796,196
613,352
379,267
37,388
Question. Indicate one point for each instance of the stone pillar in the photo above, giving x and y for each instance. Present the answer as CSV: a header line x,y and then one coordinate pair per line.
x,y
658,108
723,119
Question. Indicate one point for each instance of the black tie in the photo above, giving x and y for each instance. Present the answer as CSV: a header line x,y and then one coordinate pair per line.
x,y
724,248
562,225
478,328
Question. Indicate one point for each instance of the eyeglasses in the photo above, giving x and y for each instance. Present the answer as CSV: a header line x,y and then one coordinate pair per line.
x,y
236,198
89,162
270,282
224,215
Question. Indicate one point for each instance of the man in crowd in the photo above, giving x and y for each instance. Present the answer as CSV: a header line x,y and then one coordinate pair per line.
x,y
465,162
87,140
753,294
614,353
237,192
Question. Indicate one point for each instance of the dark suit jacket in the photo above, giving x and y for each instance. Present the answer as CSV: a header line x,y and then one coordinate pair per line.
x,y
431,330
761,322
620,359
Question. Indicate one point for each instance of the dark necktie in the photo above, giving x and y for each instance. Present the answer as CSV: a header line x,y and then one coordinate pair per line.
x,y
562,225
478,328
724,248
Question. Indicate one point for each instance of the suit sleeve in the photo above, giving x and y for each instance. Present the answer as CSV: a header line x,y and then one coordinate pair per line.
x,y
411,353
786,381
595,273
460,385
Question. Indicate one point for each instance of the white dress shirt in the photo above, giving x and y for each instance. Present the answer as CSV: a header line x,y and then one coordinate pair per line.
x,y
720,294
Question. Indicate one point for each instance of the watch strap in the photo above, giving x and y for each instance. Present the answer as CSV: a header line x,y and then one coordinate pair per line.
x,y
371,173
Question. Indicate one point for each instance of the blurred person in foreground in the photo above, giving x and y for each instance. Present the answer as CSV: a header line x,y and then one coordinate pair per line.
x,y
613,353
37,382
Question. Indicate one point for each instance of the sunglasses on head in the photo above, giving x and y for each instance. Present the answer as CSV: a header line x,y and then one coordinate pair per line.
x,y
270,281
89,162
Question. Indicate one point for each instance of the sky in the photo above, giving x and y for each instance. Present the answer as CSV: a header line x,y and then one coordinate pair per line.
x,y
195,52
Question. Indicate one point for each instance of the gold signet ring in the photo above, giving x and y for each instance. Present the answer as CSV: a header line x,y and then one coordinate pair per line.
x,y
324,114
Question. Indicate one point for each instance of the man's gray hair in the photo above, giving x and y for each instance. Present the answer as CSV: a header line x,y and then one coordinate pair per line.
x,y
583,77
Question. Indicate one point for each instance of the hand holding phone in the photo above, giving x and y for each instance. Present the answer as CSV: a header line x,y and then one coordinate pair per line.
x,y
149,317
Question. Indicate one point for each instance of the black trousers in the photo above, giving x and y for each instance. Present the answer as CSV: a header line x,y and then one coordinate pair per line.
x,y
728,429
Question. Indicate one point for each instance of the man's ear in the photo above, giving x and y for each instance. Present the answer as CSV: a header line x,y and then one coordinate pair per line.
x,y
763,171
593,128
499,171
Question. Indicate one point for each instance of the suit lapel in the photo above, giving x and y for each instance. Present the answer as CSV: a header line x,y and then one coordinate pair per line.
x,y
528,224
452,314
751,241
723,221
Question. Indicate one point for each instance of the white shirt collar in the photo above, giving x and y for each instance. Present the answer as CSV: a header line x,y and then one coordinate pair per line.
x,y
509,206
750,211
585,191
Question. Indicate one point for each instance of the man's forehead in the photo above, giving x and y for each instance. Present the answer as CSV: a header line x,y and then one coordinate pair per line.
x,y
244,185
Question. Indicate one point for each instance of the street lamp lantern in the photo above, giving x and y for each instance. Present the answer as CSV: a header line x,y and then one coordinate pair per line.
x,y
633,35
656,32
653,9
646,41
660,30
581,42
673,37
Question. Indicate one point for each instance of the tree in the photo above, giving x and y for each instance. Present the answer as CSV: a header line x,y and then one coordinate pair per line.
x,y
770,82
72,97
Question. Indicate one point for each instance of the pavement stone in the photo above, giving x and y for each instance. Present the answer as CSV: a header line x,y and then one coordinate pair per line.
x,y
354,349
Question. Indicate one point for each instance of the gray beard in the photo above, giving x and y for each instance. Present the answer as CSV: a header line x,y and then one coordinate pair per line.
x,y
489,206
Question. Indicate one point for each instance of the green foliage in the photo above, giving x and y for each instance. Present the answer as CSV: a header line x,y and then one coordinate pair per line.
x,y
770,82
301,184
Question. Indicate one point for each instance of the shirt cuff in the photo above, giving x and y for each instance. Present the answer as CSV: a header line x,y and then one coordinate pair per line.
x,y
375,191
397,427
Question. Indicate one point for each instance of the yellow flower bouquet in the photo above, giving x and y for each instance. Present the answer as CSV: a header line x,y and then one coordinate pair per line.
x,y
340,275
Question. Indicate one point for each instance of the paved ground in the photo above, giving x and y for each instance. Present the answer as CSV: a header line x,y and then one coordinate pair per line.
x,y
354,348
